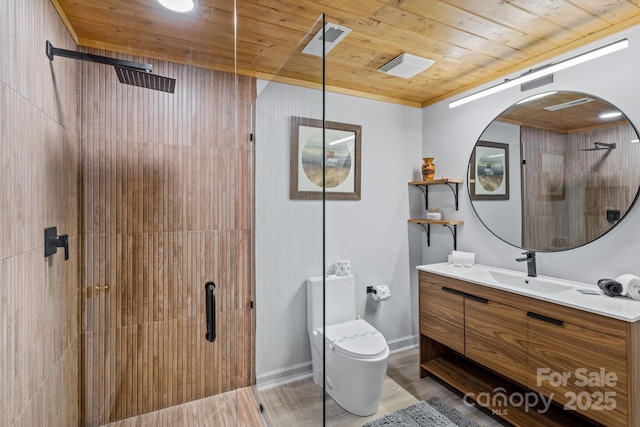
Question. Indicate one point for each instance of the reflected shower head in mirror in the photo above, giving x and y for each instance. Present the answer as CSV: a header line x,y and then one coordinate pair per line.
x,y
557,196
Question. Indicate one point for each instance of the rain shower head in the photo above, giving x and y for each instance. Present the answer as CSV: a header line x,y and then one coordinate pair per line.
x,y
131,73
136,77
600,146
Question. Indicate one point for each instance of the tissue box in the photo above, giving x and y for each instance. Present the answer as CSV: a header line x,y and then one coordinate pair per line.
x,y
343,267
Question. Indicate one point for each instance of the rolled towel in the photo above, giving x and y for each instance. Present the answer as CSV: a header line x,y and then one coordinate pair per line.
x,y
630,285
610,287
463,258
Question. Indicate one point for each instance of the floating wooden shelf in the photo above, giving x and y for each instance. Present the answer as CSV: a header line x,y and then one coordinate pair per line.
x,y
446,222
453,184
424,186
436,221
437,182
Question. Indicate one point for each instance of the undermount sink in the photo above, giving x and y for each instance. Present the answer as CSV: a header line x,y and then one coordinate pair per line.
x,y
535,284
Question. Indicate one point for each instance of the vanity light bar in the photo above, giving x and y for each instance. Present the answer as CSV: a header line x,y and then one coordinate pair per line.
x,y
538,96
550,69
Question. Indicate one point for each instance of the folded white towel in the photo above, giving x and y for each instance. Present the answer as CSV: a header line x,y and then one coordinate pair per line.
x,y
460,258
630,285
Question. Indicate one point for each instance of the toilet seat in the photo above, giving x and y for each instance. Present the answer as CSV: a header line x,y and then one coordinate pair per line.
x,y
356,339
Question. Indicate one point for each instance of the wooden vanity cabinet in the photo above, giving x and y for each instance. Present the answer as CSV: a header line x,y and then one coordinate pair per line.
x,y
583,369
530,344
496,337
442,315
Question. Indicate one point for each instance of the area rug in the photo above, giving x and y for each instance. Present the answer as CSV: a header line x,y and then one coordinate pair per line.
x,y
432,412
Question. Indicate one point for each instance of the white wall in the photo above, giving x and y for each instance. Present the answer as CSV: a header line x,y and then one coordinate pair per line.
x,y
449,135
372,232
497,215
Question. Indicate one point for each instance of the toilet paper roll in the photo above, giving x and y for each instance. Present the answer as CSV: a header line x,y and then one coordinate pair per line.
x,y
381,293
343,267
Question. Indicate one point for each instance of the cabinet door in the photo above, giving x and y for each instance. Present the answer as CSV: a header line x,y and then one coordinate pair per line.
x,y
584,370
442,315
496,337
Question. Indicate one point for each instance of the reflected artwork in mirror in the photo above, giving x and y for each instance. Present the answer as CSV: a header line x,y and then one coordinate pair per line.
x,y
573,166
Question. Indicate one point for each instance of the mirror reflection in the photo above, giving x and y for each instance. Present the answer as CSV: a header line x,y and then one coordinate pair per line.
x,y
555,172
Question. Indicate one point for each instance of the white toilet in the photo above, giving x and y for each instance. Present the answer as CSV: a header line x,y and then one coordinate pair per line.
x,y
356,353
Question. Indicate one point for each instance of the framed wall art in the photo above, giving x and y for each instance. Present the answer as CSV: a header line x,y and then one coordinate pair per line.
x,y
489,174
340,177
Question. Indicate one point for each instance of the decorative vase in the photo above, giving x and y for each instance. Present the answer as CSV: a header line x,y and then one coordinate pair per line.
x,y
428,169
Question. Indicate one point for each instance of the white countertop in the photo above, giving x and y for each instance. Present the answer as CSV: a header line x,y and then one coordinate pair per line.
x,y
621,308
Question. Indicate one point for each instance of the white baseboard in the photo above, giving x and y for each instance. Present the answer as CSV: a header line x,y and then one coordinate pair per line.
x,y
284,375
403,343
304,370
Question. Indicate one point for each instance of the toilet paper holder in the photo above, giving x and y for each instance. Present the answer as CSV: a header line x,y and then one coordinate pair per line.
x,y
379,293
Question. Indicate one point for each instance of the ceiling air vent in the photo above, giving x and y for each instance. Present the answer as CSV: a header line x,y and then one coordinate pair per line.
x,y
568,104
333,34
406,65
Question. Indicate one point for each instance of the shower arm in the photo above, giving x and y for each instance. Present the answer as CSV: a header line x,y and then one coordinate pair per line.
x,y
603,145
600,146
54,51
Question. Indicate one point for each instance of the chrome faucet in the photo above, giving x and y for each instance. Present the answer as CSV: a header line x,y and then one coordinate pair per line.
x,y
530,259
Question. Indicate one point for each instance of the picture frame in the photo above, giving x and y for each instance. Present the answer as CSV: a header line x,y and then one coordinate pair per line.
x,y
341,158
489,171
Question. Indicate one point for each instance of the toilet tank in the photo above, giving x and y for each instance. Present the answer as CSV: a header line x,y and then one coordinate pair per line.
x,y
340,305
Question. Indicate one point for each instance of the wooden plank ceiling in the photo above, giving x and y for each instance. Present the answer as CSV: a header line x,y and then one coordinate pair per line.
x,y
472,41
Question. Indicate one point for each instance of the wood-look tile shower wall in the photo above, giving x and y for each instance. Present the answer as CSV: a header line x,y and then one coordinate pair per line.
x,y
591,183
168,196
39,187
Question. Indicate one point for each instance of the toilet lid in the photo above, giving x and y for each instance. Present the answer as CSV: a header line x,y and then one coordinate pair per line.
x,y
356,338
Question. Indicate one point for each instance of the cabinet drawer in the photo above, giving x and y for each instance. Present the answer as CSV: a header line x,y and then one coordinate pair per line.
x,y
442,316
581,368
496,337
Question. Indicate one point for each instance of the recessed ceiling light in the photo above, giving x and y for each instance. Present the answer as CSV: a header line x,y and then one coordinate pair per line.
x,y
610,115
181,6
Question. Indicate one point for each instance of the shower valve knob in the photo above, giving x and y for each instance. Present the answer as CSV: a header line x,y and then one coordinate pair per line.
x,y
53,241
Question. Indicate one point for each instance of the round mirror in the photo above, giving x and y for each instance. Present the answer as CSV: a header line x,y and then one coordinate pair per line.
x,y
555,171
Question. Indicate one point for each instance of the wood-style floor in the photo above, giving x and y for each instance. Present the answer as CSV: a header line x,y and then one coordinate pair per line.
x,y
299,403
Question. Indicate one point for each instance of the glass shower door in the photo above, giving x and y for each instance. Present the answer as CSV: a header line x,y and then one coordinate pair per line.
x,y
289,249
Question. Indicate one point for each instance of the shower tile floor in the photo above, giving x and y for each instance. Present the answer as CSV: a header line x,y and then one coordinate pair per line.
x,y
299,403
236,408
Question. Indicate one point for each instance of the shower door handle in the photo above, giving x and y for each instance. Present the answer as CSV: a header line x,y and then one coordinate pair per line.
x,y
210,295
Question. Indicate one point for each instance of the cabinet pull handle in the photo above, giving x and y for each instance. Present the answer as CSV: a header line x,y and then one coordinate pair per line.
x,y
475,298
545,318
453,291
465,295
